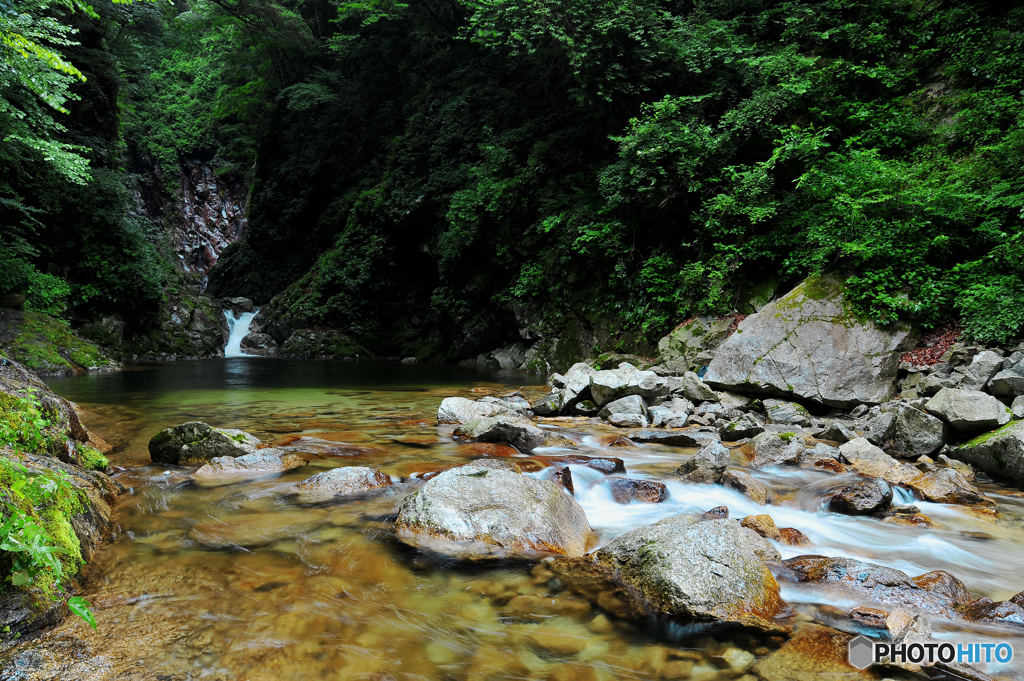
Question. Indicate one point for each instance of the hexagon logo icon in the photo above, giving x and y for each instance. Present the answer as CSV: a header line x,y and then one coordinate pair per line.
x,y
862,652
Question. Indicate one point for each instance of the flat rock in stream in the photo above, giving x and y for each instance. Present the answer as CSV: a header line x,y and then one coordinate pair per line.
x,y
813,652
678,438
697,570
262,461
474,512
197,443
345,480
517,432
608,465
937,593
459,410
869,460
947,486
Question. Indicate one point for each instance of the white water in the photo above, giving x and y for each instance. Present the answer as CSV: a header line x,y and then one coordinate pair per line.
x,y
238,328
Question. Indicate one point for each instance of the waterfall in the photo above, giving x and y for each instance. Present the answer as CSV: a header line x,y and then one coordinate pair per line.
x,y
238,328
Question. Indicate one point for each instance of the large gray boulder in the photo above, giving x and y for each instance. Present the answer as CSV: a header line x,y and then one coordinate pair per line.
x,y
871,461
999,453
706,466
770,449
633,404
968,411
786,413
697,390
862,498
1009,382
698,570
682,348
460,410
613,384
809,345
196,443
473,512
517,432
980,371
915,433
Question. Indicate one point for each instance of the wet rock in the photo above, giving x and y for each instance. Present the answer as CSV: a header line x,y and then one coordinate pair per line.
x,y
628,491
946,486
763,524
1006,612
620,420
696,390
813,652
793,537
1000,453
769,449
549,405
862,498
969,412
616,441
747,484
471,512
702,571
517,432
706,466
786,413
869,617
497,465
959,466
806,345
907,515
605,464
197,443
871,461
514,402
345,480
257,343
556,440
262,461
937,593
744,427
835,432
915,433
763,548
561,476
716,513
459,410
679,438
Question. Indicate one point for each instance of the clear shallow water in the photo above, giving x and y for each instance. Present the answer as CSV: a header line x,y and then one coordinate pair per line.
x,y
242,581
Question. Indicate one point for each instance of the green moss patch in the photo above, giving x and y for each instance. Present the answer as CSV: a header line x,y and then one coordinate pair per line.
x,y
46,344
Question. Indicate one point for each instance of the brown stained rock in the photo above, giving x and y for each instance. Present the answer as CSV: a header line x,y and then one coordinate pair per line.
x,y
345,480
869,617
606,464
769,449
793,537
325,448
830,465
561,476
1018,599
862,498
947,486
628,491
747,484
716,513
616,441
936,593
915,519
603,587
763,525
489,449
813,652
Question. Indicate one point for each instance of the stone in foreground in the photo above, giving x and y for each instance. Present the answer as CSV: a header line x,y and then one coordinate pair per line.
x,y
196,443
346,480
474,512
697,570
808,345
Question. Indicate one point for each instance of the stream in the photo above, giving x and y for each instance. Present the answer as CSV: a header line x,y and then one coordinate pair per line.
x,y
239,580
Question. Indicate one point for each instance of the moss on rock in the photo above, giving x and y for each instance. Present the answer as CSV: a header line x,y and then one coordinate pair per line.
x,y
47,345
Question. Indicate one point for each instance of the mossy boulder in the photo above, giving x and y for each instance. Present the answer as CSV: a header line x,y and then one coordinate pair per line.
x,y
999,453
47,345
197,443
688,346
321,343
697,570
809,345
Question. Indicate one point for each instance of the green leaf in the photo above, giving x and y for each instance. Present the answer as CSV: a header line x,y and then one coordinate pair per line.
x,y
80,607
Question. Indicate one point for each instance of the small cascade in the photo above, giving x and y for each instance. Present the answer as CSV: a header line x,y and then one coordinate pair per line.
x,y
238,328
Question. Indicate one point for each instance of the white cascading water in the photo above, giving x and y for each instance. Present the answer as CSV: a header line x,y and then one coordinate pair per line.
x,y
238,328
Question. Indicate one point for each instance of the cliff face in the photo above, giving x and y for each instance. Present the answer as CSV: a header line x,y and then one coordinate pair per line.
x,y
212,215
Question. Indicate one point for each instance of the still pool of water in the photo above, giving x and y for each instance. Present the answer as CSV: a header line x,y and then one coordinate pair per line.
x,y
244,581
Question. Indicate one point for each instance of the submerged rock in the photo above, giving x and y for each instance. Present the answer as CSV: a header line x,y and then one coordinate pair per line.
x,y
702,571
605,464
947,486
197,443
808,345
747,484
473,512
346,480
521,434
813,652
262,461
